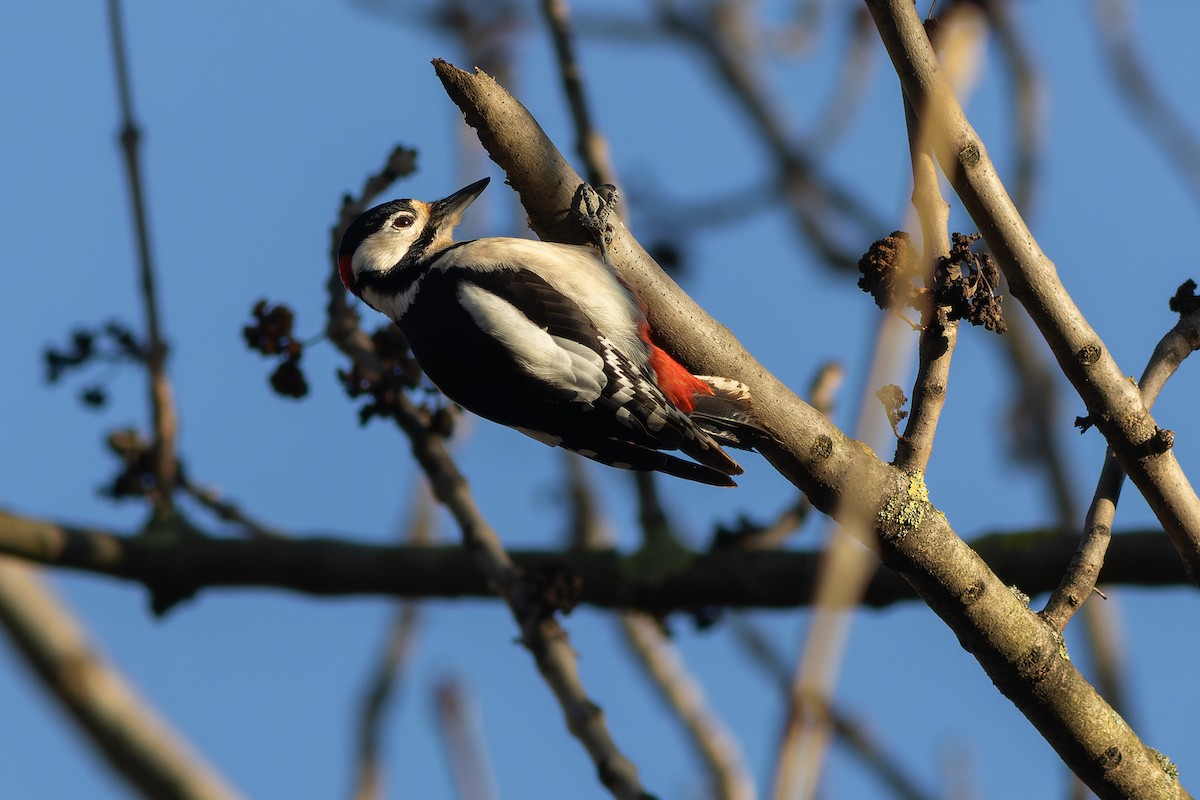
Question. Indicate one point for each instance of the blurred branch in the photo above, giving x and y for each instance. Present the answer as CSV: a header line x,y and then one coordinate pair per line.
x,y
590,144
664,666
1029,96
1149,105
685,696
458,722
847,731
844,572
1034,560
829,215
226,510
382,685
165,421
133,740
855,69
387,674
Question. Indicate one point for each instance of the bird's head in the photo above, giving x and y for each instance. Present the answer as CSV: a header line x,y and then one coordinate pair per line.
x,y
384,240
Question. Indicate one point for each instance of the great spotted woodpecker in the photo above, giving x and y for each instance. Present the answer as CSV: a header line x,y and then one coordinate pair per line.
x,y
542,337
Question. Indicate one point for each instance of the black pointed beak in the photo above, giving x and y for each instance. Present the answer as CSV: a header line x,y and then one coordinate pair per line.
x,y
449,209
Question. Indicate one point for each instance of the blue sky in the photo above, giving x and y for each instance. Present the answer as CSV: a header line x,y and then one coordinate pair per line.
x,y
257,118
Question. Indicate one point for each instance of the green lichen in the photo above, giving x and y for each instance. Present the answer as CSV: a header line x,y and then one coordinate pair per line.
x,y
1024,598
1062,645
905,509
1166,764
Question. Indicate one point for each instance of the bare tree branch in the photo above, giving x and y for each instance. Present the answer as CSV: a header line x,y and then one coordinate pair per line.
x,y
1114,404
822,210
135,742
684,694
334,566
458,722
940,333
847,731
1019,652
162,403
1080,578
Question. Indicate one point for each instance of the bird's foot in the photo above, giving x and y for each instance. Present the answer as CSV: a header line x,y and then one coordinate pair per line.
x,y
594,208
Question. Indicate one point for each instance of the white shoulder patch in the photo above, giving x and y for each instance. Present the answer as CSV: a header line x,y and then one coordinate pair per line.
x,y
572,270
559,362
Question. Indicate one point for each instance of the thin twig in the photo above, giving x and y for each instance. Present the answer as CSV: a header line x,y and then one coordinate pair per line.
x,y
709,736
134,741
162,404
1080,579
685,696
939,334
226,510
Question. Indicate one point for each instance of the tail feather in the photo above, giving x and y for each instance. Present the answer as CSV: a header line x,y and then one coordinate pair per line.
x,y
727,415
627,455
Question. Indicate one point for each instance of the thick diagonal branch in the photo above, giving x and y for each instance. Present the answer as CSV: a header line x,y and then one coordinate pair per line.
x,y
1021,654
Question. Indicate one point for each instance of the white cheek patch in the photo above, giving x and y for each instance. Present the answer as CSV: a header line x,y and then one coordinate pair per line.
x,y
381,251
395,306
559,362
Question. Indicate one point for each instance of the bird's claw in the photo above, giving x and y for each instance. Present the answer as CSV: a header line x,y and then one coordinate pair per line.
x,y
594,208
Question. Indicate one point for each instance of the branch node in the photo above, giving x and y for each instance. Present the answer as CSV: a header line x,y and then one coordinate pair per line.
x,y
1088,354
970,155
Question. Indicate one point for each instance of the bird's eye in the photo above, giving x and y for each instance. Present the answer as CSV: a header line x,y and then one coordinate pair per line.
x,y
403,221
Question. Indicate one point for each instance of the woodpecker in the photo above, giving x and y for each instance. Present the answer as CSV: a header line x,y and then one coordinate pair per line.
x,y
539,336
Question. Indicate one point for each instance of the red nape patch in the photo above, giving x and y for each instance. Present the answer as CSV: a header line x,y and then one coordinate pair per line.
x,y
679,385
347,273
